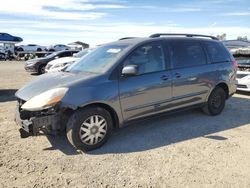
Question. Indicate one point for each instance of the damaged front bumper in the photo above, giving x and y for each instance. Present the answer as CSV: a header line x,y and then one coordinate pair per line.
x,y
37,123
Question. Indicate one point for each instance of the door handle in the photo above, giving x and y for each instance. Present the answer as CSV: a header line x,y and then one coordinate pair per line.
x,y
164,77
177,75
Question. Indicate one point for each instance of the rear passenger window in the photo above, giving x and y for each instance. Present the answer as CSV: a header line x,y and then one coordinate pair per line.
x,y
217,52
187,53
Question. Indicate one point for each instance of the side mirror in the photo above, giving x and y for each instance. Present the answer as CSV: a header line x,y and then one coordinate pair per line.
x,y
129,70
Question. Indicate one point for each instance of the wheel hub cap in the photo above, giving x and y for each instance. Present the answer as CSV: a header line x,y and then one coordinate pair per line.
x,y
93,130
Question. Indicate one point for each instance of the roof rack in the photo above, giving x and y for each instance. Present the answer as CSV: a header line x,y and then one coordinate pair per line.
x,y
182,34
125,38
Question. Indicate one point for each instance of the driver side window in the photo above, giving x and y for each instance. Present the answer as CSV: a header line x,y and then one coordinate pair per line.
x,y
148,58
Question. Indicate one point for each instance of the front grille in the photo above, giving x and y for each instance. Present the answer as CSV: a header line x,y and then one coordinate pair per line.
x,y
241,86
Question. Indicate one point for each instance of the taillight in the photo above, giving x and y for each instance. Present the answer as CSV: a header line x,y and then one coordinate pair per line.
x,y
235,64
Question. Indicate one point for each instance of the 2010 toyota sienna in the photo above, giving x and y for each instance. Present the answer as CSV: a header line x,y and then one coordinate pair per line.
x,y
127,80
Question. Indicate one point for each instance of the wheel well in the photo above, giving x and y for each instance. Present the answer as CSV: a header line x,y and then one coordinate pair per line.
x,y
109,109
225,88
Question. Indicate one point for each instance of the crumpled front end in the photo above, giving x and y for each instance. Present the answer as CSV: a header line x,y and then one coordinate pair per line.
x,y
35,123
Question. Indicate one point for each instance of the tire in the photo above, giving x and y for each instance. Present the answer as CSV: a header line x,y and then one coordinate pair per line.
x,y
216,102
87,136
41,69
51,50
39,50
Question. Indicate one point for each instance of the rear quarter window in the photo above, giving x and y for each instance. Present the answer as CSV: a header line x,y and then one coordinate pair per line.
x,y
217,52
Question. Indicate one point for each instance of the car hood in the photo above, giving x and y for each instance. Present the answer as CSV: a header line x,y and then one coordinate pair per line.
x,y
50,81
62,60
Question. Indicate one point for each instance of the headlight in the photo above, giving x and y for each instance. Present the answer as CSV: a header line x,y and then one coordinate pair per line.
x,y
63,64
45,100
30,63
59,65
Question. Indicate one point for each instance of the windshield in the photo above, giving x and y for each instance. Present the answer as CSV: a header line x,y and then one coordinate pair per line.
x,y
52,55
243,60
99,60
82,53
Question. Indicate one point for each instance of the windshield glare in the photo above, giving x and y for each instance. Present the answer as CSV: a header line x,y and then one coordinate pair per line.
x,y
99,60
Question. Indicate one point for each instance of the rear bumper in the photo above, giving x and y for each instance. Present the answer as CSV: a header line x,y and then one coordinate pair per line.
x,y
37,125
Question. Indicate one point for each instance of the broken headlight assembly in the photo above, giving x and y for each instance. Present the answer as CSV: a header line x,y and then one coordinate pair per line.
x,y
45,100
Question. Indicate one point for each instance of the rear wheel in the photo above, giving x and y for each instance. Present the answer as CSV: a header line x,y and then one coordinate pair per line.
x,y
216,102
89,128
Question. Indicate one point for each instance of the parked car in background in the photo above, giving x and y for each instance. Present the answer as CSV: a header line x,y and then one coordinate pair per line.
x,y
30,48
58,47
2,56
5,37
2,49
243,51
2,53
243,73
230,44
38,65
62,63
127,80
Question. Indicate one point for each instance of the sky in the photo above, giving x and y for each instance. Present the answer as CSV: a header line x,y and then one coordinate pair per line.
x,y
96,22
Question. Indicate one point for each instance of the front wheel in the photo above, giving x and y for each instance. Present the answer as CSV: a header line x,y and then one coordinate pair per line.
x,y
216,102
41,69
90,128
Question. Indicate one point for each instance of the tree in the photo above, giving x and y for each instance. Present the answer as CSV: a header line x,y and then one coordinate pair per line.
x,y
242,38
222,37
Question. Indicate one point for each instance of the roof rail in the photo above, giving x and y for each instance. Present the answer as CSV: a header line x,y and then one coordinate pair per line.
x,y
182,34
125,38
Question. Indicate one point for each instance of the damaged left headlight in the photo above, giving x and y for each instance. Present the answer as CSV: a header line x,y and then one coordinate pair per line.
x,y
45,100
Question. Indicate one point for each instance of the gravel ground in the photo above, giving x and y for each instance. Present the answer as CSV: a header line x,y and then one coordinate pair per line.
x,y
187,149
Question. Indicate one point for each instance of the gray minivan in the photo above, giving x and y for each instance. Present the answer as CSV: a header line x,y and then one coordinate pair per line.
x,y
127,80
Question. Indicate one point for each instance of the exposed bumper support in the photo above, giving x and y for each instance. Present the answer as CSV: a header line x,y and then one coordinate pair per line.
x,y
44,124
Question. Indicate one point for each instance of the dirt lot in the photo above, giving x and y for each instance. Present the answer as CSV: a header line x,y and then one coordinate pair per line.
x,y
187,149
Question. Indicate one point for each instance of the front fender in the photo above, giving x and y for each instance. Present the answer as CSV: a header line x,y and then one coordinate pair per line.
x,y
104,93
